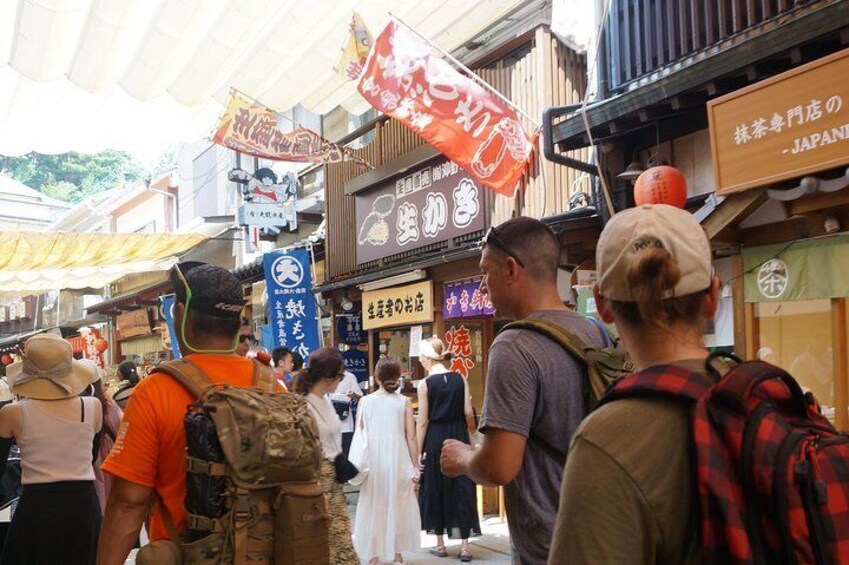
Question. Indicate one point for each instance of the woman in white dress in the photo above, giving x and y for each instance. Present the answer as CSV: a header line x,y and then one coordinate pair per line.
x,y
388,520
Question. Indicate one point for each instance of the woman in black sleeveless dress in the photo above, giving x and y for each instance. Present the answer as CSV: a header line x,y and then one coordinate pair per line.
x,y
448,506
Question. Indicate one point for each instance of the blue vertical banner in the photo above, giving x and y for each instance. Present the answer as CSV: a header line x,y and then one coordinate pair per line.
x,y
292,310
168,312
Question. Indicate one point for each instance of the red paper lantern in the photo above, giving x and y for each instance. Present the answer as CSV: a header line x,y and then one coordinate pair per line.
x,y
7,359
101,345
661,185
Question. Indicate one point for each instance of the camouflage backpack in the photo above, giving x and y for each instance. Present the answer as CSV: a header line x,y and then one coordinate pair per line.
x,y
252,463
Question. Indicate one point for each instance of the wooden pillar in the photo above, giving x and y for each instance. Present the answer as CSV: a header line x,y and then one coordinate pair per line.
x,y
840,373
739,306
753,337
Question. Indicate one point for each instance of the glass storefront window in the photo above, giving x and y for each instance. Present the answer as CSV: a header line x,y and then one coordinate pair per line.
x,y
797,336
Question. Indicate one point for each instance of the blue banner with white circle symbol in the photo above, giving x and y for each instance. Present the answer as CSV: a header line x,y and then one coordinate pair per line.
x,y
292,310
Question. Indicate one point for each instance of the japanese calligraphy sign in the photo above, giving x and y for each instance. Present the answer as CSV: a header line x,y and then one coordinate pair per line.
x,y
462,300
349,329
793,124
459,343
406,80
293,313
398,306
268,215
356,361
433,203
253,129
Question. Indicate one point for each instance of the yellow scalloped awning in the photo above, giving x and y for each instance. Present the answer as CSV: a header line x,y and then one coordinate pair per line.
x,y
36,262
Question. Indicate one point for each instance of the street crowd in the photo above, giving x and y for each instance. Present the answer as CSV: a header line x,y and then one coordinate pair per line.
x,y
224,459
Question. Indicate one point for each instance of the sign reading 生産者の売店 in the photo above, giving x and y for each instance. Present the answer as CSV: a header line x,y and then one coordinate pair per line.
x,y
790,125
431,204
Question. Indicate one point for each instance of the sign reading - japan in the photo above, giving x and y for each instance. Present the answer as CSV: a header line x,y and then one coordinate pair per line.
x,y
398,306
434,203
785,127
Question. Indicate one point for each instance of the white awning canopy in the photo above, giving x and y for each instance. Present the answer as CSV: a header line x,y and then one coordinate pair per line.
x,y
86,75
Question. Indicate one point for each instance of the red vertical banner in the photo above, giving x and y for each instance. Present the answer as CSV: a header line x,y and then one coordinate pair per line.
x,y
470,125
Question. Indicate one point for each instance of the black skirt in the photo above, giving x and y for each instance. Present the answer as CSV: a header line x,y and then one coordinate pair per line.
x,y
448,506
55,523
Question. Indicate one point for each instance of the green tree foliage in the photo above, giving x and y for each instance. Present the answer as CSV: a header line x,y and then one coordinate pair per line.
x,y
73,176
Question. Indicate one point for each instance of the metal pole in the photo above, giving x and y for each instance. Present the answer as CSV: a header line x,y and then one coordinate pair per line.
x,y
471,73
315,296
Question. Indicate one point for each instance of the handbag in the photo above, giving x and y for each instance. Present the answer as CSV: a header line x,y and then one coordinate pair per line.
x,y
358,455
345,470
343,409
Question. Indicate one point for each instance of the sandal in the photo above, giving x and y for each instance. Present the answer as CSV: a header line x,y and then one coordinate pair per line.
x,y
439,552
465,556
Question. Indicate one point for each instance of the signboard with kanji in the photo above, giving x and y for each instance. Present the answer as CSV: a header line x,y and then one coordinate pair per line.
x,y
788,126
464,300
434,203
398,306
293,311
269,215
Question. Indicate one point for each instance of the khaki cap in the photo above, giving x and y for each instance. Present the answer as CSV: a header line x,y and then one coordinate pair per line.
x,y
635,230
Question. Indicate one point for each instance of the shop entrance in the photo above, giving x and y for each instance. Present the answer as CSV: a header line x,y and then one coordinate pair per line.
x,y
803,337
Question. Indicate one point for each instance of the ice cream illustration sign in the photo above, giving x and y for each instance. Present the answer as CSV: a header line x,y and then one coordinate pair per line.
x,y
433,203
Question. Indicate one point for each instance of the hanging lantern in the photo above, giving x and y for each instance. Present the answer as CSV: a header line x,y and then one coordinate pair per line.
x,y
7,359
101,345
661,185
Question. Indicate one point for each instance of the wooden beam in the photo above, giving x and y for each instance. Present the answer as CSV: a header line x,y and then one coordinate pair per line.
x,y
840,363
734,208
818,201
794,228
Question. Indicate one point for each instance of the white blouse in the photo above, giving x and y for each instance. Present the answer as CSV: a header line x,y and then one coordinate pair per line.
x,y
329,425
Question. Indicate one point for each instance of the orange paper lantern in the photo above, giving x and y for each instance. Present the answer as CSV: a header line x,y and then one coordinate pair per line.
x,y
7,359
661,185
101,345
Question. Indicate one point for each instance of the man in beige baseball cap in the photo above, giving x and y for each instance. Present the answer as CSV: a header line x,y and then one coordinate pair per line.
x,y
632,231
627,494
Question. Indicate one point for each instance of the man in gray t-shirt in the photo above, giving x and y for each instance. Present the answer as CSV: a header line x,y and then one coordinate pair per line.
x,y
533,392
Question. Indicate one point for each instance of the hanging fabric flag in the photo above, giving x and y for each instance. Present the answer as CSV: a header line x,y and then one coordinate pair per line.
x,y
357,45
253,129
406,80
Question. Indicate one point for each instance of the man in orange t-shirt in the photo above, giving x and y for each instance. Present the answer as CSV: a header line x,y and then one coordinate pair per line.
x,y
149,455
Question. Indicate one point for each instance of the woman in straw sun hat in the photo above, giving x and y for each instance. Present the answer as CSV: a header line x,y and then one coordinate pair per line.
x,y
58,516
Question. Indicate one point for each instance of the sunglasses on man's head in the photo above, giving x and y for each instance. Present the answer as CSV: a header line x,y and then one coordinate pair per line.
x,y
492,238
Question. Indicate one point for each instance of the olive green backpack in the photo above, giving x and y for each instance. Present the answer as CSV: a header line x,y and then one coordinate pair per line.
x,y
604,365
275,507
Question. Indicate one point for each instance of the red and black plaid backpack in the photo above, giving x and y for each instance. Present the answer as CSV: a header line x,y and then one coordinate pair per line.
x,y
772,472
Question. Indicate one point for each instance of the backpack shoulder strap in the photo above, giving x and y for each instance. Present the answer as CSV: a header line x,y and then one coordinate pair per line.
x,y
187,374
264,377
661,381
569,341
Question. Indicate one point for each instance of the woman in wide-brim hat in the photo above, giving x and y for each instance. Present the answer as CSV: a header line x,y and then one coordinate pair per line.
x,y
58,517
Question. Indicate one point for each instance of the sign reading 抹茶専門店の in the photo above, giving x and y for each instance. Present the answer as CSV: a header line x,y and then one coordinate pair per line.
x,y
431,204
293,312
398,306
788,126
